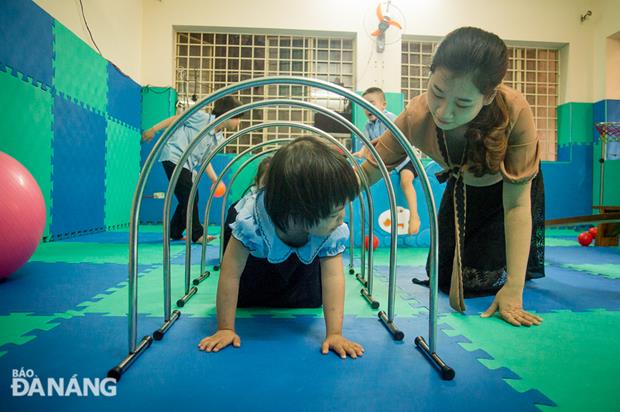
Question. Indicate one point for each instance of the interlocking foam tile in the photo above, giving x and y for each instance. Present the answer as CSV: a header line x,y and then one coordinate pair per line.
x,y
124,98
78,168
122,167
15,328
560,289
79,72
150,293
560,242
580,255
45,288
608,270
77,252
554,358
406,256
278,368
26,40
554,232
28,136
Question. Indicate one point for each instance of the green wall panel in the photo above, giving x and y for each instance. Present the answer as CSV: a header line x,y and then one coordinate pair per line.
x,y
574,123
158,103
26,131
122,167
611,187
79,71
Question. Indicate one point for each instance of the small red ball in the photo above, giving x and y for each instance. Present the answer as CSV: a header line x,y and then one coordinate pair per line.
x,y
593,231
375,242
585,239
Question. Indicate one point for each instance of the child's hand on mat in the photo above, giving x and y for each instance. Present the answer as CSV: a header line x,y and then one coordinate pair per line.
x,y
509,302
219,340
341,346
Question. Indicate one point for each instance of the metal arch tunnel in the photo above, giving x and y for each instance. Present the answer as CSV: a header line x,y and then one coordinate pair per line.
x,y
137,348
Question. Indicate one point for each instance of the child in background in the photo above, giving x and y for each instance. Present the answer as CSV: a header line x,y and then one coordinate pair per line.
x,y
177,144
287,243
375,128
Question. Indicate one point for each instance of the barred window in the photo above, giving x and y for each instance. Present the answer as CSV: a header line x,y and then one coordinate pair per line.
x,y
206,62
533,71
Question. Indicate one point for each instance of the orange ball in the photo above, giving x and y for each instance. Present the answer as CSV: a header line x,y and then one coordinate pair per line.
x,y
220,190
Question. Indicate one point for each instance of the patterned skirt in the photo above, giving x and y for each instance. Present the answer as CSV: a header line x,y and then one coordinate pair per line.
x,y
483,252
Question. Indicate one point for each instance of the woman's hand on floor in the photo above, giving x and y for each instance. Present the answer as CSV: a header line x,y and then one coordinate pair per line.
x,y
509,302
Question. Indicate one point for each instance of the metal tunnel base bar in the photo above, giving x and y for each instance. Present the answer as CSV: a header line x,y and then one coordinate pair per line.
x,y
159,333
117,372
396,333
446,372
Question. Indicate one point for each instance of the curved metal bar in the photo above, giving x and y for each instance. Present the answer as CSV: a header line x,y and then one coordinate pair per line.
x,y
194,190
207,159
289,80
230,183
277,102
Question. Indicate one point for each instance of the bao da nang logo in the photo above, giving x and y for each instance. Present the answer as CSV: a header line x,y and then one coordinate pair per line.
x,y
26,383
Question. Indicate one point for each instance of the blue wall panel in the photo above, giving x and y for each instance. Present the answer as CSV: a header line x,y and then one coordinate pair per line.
x,y
124,97
78,168
568,185
26,39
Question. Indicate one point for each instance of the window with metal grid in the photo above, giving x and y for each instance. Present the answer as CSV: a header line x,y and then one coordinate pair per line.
x,y
533,71
206,62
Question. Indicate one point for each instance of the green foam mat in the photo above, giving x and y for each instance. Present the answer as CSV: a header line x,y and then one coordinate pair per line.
x,y
150,299
404,256
553,358
607,270
16,328
561,232
88,252
79,71
26,132
558,242
122,167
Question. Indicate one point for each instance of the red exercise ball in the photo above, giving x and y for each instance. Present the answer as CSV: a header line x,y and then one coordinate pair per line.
x,y
585,238
593,231
375,242
22,215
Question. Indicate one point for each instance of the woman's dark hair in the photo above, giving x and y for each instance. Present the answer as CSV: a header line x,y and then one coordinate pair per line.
x,y
484,56
306,181
226,104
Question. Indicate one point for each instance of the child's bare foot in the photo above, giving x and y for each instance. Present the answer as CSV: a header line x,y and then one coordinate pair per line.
x,y
414,225
201,238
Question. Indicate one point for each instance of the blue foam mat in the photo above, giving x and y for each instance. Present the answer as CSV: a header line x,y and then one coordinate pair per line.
x,y
579,255
278,368
50,288
561,289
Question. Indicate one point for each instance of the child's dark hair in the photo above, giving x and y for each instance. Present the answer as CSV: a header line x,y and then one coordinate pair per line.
x,y
484,56
263,167
226,104
371,90
307,180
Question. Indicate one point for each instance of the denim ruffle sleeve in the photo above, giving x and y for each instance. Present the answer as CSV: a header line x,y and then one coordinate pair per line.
x,y
245,228
336,243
